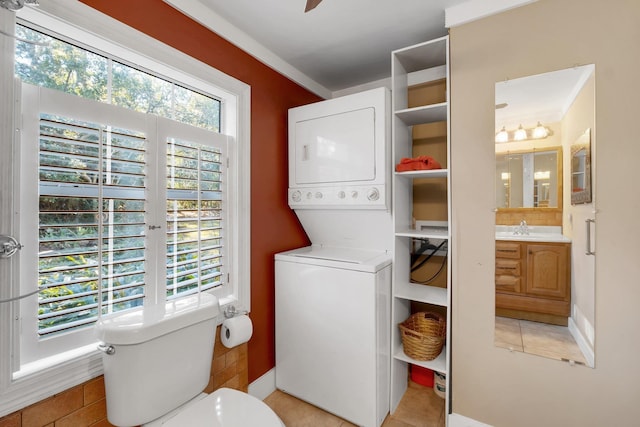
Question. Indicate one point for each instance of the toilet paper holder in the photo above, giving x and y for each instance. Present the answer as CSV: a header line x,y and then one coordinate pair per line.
x,y
231,311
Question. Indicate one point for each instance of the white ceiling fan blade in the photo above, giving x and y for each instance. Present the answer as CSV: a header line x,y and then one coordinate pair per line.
x,y
311,4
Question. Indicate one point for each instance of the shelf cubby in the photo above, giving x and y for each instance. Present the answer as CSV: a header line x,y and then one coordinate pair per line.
x,y
421,200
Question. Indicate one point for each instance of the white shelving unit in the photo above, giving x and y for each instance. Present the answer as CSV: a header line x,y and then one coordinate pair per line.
x,y
423,63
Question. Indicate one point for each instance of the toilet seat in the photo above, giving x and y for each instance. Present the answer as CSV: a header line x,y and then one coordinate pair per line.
x,y
225,407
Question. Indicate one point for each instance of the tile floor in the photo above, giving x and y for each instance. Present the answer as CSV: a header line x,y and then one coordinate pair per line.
x,y
537,338
419,407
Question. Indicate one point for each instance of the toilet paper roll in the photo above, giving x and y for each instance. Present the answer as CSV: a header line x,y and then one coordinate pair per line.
x,y
236,331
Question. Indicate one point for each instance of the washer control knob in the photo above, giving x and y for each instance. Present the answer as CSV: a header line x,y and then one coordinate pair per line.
x,y
341,195
354,194
296,196
309,195
318,195
373,194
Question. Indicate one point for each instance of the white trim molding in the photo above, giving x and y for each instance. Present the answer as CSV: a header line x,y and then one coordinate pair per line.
x,y
476,9
264,386
583,342
457,420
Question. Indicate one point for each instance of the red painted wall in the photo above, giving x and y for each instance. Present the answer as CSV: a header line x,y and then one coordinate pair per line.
x,y
274,227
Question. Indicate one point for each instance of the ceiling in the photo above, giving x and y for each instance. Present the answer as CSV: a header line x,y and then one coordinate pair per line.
x,y
339,44
543,97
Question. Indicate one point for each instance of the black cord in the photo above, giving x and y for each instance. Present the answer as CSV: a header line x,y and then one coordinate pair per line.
x,y
428,257
433,277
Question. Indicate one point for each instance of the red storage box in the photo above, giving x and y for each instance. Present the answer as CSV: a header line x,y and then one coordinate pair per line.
x,y
422,376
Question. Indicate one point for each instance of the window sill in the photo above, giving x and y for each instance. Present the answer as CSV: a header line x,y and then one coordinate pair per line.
x,y
42,379
43,365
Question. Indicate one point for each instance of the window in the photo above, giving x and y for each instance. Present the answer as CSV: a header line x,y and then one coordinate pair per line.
x,y
109,190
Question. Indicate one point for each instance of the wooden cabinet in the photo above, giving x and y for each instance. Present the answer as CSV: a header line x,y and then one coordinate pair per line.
x,y
533,281
548,270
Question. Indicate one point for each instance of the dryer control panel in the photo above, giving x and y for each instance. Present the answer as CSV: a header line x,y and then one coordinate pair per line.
x,y
337,197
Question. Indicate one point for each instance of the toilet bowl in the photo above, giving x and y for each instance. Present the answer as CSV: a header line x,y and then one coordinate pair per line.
x,y
157,362
224,407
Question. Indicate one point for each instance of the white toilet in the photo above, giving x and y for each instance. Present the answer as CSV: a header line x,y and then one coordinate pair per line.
x,y
157,362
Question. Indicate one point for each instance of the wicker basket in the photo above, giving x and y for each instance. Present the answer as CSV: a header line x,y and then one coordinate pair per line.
x,y
423,335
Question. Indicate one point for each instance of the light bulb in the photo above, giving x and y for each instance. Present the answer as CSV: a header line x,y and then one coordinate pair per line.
x,y
520,134
540,131
502,136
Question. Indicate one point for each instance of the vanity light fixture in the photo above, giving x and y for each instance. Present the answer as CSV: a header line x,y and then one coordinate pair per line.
x,y
521,134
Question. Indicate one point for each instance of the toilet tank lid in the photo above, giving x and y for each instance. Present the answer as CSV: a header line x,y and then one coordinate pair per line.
x,y
143,324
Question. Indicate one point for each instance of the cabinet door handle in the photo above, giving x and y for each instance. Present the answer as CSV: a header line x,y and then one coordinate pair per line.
x,y
588,222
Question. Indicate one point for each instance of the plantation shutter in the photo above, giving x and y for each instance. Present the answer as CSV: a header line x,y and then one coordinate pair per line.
x,y
195,208
118,209
91,256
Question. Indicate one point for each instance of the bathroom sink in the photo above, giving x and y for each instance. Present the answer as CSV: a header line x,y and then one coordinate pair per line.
x,y
533,237
536,234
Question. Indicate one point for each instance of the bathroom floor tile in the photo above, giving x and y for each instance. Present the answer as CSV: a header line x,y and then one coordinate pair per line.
x,y
419,407
550,341
391,422
508,334
537,338
296,413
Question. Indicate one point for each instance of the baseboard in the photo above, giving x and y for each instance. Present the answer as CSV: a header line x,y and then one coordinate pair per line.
x,y
586,349
264,386
457,420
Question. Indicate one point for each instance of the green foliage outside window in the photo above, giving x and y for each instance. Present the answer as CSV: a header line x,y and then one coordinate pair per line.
x,y
62,66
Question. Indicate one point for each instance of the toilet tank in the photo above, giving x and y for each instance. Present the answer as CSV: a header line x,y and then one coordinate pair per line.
x,y
161,357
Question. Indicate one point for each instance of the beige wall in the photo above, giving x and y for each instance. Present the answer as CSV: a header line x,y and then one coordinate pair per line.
x,y
516,389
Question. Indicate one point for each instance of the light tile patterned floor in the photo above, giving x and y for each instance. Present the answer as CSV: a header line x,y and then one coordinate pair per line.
x,y
537,338
419,407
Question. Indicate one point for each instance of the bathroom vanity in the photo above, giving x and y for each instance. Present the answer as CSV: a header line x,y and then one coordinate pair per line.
x,y
533,277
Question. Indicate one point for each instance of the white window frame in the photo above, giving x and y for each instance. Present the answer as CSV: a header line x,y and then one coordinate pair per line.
x,y
76,21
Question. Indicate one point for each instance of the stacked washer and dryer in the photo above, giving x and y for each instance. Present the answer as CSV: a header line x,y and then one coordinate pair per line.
x,y
333,297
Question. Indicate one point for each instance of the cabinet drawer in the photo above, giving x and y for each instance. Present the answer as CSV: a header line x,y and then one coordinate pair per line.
x,y
507,249
509,267
508,283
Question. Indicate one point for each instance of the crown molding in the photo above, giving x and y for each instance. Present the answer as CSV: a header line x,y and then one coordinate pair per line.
x,y
473,10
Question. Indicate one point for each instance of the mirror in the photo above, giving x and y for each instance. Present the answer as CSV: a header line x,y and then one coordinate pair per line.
x,y
581,169
544,269
529,179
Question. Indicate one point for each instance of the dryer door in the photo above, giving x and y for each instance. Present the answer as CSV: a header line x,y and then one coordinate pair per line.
x,y
335,148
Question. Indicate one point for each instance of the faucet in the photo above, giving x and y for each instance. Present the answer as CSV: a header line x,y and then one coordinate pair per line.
x,y
522,229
